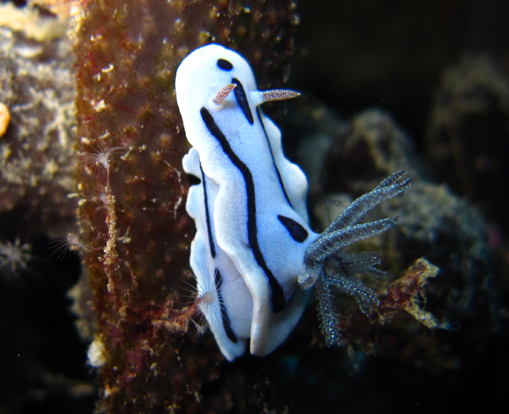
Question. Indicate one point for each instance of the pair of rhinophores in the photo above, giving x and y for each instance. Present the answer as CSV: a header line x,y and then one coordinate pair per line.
x,y
254,251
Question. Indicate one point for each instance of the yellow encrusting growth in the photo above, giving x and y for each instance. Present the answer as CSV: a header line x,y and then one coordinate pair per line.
x,y
31,23
408,293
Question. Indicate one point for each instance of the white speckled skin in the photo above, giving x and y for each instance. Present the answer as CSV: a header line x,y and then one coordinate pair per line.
x,y
246,192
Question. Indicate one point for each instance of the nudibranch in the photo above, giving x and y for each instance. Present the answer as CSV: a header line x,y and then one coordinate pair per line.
x,y
254,254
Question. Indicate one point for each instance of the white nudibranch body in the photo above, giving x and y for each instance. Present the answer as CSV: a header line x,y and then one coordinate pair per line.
x,y
253,242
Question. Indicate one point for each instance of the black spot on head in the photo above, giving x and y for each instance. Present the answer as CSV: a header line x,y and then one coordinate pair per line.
x,y
298,233
224,64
